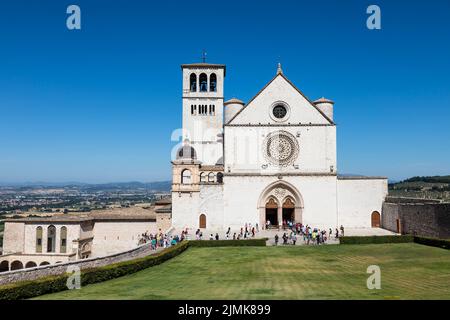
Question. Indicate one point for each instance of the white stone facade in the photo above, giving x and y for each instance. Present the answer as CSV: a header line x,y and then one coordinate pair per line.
x,y
279,164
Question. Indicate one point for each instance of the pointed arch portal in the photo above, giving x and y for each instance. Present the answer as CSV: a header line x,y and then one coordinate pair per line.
x,y
280,203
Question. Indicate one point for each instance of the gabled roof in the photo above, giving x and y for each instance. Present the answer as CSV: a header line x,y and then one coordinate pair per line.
x,y
293,85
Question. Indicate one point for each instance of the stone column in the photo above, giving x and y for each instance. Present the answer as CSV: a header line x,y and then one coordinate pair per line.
x,y
280,216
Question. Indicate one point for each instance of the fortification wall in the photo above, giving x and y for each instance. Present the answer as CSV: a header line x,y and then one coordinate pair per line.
x,y
422,219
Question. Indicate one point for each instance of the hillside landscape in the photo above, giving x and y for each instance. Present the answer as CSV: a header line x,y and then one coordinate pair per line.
x,y
429,187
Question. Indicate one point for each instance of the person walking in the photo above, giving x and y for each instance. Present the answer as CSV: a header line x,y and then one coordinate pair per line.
x,y
294,238
342,230
217,236
276,239
285,238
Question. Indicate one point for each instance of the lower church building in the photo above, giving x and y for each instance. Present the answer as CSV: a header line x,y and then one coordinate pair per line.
x,y
271,160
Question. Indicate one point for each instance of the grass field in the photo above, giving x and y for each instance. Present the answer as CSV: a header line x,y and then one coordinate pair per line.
x,y
408,271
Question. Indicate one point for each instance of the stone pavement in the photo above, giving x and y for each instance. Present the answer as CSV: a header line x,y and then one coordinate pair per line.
x,y
270,234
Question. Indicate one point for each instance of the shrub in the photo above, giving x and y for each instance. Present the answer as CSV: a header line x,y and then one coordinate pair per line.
x,y
375,239
228,243
434,242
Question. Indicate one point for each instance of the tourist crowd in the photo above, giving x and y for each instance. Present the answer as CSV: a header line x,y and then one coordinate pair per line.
x,y
309,235
294,232
160,240
246,232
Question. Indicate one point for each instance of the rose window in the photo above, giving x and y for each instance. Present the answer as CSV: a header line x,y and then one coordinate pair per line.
x,y
281,148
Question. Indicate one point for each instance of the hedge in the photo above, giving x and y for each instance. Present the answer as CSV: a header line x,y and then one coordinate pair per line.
x,y
229,243
51,284
375,239
433,242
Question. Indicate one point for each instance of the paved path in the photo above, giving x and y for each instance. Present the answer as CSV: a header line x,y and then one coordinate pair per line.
x,y
270,234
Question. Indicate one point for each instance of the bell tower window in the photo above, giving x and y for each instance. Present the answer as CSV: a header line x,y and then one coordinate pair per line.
x,y
213,82
203,82
193,82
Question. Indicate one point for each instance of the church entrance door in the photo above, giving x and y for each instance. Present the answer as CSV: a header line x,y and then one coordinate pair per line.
x,y
272,212
376,219
202,223
288,211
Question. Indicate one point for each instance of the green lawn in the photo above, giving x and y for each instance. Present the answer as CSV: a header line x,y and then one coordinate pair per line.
x,y
408,271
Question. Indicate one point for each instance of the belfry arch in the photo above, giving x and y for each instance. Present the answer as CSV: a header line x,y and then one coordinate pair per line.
x,y
284,199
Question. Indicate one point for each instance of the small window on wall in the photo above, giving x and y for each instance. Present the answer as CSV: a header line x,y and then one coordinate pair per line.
x,y
202,177
186,177
51,239
63,244
212,109
211,177
38,239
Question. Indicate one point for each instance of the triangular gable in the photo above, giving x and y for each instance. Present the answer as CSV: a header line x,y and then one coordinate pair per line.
x,y
307,102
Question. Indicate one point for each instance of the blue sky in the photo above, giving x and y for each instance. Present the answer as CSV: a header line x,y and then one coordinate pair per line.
x,y
99,104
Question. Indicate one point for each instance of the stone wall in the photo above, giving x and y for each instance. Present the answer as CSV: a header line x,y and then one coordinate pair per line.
x,y
58,269
416,218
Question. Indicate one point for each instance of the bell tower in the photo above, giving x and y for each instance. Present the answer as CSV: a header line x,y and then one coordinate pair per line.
x,y
203,110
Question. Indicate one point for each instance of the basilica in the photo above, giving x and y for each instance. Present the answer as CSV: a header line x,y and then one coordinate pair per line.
x,y
268,161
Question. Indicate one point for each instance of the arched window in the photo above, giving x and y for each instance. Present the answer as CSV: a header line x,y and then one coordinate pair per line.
x,y
16,265
213,82
31,264
186,177
38,239
202,177
203,82
4,266
51,239
220,177
63,244
211,177
193,82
